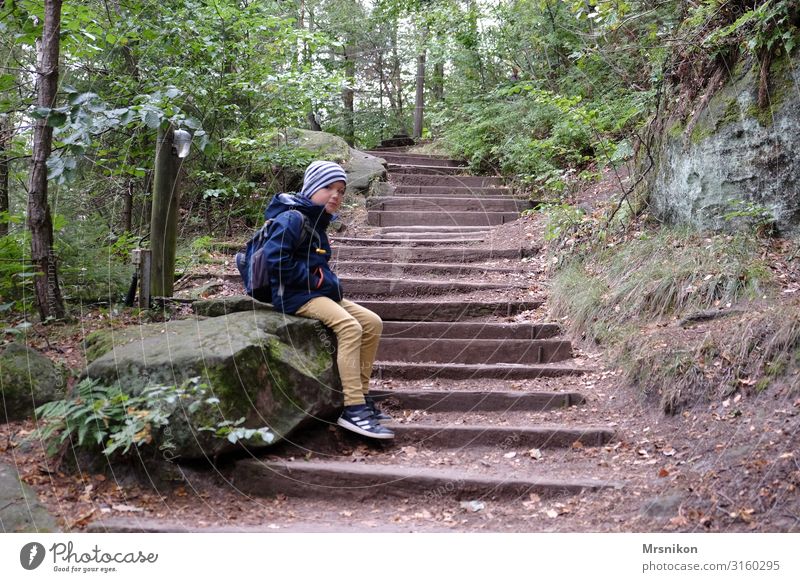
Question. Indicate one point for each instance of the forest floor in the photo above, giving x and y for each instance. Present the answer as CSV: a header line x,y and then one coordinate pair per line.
x,y
725,465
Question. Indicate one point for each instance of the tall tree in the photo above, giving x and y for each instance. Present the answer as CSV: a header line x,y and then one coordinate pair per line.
x,y
6,129
6,133
348,95
40,223
419,101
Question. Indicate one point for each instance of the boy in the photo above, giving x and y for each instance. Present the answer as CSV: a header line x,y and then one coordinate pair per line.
x,y
303,284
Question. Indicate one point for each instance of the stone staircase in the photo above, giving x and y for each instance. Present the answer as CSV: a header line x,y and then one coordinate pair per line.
x,y
446,357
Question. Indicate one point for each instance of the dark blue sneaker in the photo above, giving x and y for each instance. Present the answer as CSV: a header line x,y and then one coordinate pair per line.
x,y
360,420
375,410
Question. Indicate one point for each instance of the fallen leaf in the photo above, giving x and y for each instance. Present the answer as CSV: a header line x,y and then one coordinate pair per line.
x,y
663,472
126,508
474,506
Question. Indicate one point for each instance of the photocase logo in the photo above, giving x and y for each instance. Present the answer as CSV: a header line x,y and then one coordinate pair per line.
x,y
32,555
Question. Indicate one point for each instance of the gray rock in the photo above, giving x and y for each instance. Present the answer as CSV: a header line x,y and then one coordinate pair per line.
x,y
274,370
27,380
325,145
225,305
738,164
665,505
20,509
362,169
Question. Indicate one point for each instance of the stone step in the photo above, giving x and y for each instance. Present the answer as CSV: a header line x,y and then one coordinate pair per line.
x,y
472,351
430,236
419,160
411,190
440,229
145,525
403,153
477,400
397,169
428,269
372,286
402,149
406,254
403,142
409,371
441,203
458,436
470,330
411,241
456,181
428,218
326,479
438,310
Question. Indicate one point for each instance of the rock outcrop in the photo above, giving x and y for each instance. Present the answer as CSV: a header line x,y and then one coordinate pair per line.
x,y
723,162
275,371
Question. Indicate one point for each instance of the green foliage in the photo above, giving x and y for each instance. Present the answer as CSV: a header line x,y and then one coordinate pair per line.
x,y
93,264
16,272
531,136
561,219
98,416
751,216
760,26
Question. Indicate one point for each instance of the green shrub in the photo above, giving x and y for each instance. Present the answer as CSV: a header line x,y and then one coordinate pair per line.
x,y
108,418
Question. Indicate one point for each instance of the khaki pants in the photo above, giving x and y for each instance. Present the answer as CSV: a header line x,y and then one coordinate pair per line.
x,y
358,331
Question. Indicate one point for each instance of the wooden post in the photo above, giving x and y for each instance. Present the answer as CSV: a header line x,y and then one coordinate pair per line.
x,y
141,260
164,217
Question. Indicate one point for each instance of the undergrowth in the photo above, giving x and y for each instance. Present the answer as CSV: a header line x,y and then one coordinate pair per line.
x,y
641,298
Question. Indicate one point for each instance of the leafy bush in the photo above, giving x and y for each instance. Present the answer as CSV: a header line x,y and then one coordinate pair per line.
x,y
93,263
523,131
101,416
16,272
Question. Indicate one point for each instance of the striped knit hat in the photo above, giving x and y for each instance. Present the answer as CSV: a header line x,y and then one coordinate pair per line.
x,y
319,175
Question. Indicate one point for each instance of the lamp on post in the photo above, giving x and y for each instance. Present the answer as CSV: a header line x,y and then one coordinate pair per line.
x,y
172,147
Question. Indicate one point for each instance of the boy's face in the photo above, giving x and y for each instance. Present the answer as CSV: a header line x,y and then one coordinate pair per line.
x,y
330,197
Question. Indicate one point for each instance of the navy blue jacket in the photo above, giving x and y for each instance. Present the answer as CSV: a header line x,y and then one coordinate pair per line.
x,y
298,268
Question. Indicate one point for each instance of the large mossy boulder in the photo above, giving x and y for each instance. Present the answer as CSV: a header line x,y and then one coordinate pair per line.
x,y
722,161
273,370
363,170
27,380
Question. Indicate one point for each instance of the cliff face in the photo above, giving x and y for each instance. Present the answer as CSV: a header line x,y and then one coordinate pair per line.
x,y
724,162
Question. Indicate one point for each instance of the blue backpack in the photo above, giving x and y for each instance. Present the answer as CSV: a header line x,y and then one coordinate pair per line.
x,y
252,263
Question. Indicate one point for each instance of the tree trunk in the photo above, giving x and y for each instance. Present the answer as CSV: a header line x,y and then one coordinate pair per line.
x,y
48,293
437,87
380,92
6,129
164,217
348,96
419,103
311,116
127,206
398,83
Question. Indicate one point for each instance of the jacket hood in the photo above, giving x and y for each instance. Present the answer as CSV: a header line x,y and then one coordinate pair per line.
x,y
283,202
